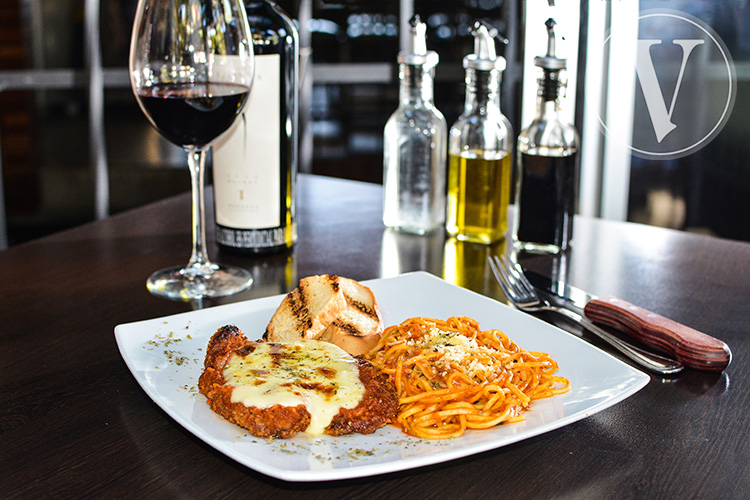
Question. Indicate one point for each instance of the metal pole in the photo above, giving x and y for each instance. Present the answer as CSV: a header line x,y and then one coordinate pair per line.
x,y
97,143
406,12
3,221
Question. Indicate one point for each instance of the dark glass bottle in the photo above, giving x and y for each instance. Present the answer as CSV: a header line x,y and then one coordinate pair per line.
x,y
255,165
547,162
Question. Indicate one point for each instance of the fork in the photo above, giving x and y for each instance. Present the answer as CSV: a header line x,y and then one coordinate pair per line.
x,y
521,294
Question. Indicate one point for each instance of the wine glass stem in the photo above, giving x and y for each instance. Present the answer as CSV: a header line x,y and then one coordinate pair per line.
x,y
199,257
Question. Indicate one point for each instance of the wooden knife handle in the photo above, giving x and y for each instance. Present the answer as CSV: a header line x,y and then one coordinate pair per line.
x,y
691,347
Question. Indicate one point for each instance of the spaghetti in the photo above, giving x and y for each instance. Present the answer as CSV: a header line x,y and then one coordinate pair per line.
x,y
451,376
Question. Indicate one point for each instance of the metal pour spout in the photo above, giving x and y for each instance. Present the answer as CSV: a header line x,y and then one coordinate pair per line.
x,y
417,36
417,53
550,61
484,41
485,54
550,24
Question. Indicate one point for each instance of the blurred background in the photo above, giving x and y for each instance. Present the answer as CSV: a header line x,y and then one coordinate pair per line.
x,y
75,147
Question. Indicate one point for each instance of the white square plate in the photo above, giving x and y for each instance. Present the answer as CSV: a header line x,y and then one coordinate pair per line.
x,y
166,357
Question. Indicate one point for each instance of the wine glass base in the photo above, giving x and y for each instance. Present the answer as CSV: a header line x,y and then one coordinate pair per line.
x,y
186,283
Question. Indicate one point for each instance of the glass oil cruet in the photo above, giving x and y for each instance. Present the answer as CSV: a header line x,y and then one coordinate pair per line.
x,y
480,149
414,154
546,176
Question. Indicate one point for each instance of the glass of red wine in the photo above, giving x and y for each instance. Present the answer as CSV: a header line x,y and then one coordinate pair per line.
x,y
191,69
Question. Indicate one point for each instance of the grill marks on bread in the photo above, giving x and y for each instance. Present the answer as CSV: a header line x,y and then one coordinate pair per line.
x,y
332,308
299,309
311,295
308,310
351,322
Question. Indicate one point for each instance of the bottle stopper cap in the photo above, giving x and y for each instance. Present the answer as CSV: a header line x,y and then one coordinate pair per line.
x,y
417,53
485,56
550,61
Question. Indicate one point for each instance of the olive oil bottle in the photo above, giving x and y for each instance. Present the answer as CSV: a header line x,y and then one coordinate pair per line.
x,y
480,149
479,194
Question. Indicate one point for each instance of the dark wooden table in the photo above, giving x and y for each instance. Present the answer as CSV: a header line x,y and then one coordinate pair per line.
x,y
74,422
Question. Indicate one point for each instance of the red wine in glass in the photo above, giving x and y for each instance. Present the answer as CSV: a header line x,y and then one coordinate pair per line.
x,y
192,114
191,68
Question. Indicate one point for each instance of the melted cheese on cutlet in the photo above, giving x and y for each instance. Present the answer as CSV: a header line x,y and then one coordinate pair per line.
x,y
317,374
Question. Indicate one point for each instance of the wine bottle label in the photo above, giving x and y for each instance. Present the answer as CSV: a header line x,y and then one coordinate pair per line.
x,y
247,159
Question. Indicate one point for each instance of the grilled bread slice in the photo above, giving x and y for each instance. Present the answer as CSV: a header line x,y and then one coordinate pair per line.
x,y
358,326
332,308
307,310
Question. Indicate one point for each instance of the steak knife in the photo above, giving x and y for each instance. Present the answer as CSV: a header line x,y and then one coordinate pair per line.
x,y
689,346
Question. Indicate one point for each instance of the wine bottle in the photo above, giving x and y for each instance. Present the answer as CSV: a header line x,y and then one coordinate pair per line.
x,y
255,164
